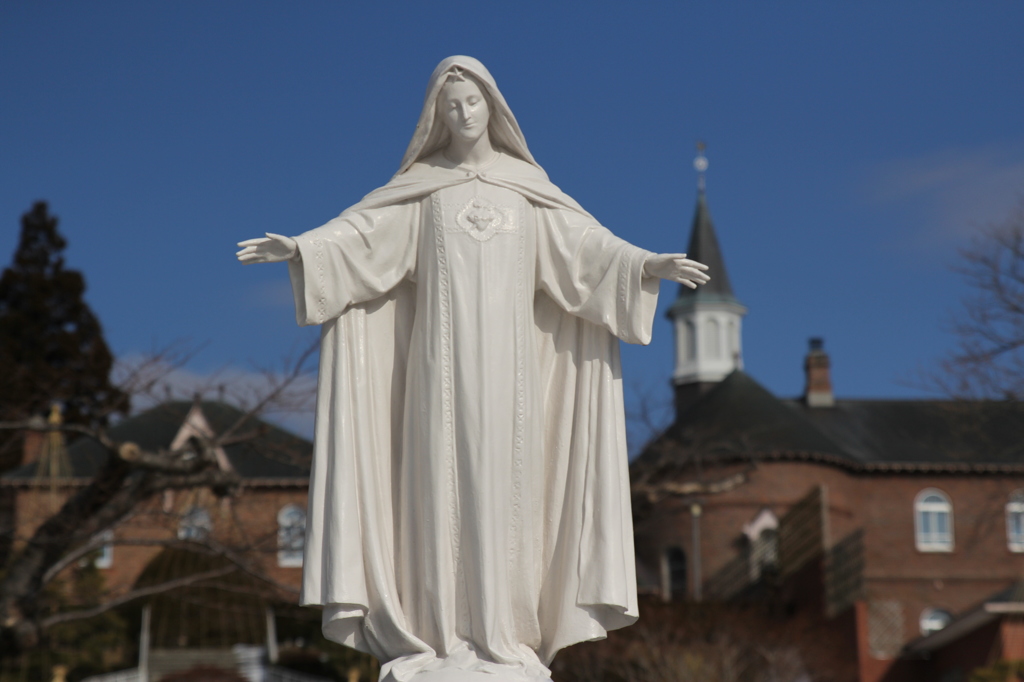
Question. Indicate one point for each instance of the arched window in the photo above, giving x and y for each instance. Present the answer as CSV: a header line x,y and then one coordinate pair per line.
x,y
673,573
690,336
105,558
291,535
764,553
933,521
762,534
933,620
713,334
196,524
1015,522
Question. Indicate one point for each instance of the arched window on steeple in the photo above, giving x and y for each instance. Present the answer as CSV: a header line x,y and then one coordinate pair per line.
x,y
690,339
733,340
713,334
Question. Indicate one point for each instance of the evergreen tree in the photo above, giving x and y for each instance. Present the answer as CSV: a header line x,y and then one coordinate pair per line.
x,y
51,344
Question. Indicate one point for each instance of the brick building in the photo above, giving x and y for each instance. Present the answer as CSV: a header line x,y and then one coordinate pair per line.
x,y
181,533
900,523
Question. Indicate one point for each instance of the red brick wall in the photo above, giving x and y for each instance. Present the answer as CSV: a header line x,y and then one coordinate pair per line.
x,y
979,565
247,522
775,486
883,505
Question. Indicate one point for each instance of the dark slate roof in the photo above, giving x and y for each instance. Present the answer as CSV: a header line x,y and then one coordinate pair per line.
x,y
705,249
923,431
740,419
739,416
272,454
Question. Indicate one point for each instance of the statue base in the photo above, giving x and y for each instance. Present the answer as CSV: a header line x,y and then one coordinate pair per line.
x,y
455,675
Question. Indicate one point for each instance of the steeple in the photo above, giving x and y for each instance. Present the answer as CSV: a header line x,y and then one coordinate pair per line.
x,y
708,319
704,248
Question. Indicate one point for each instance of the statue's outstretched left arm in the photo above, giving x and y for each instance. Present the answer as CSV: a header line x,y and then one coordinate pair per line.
x,y
676,267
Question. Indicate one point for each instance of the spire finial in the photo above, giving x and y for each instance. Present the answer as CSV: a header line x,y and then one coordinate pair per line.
x,y
700,164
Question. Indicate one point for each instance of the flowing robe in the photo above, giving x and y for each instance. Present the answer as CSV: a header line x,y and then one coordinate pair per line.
x,y
469,503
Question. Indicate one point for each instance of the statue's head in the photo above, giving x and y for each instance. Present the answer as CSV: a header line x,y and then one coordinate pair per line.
x,y
463,106
456,81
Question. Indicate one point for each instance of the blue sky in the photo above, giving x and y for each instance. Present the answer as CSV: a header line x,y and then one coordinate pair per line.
x,y
853,148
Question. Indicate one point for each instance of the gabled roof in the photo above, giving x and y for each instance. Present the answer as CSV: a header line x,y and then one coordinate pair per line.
x,y
740,420
705,249
271,454
1009,601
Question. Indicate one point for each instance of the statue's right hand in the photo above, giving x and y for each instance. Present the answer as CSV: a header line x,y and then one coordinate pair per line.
x,y
270,249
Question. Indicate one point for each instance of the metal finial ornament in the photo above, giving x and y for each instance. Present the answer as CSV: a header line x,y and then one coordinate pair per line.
x,y
700,164
53,464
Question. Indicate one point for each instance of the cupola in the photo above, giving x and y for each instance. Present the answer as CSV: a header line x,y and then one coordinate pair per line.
x,y
707,320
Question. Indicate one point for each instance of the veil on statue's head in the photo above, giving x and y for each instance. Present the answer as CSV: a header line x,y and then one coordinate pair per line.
x,y
432,134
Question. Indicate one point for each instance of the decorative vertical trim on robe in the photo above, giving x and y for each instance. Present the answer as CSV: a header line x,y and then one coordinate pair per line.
x,y
444,304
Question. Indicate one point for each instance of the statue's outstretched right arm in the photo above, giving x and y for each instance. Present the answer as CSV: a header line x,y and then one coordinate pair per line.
x,y
273,248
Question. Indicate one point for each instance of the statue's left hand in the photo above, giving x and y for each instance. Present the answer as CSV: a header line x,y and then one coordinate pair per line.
x,y
676,267
270,249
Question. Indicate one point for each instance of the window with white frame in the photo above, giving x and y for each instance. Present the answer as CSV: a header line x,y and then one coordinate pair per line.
x,y
1015,522
762,534
933,521
196,524
105,558
291,535
933,620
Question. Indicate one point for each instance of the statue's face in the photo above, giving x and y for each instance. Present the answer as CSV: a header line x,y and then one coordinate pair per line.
x,y
464,110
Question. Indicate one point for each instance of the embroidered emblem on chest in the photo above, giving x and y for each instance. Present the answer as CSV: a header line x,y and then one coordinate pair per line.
x,y
480,219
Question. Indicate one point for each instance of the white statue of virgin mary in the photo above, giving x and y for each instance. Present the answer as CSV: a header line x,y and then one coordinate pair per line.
x,y
469,508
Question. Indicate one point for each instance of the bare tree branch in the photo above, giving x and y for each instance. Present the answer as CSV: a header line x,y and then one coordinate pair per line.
x,y
130,476
988,361
279,387
142,378
166,586
235,555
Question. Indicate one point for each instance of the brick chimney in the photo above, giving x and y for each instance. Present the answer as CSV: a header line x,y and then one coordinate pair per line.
x,y
818,391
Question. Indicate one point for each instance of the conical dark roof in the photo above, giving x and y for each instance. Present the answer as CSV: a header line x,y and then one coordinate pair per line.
x,y
739,417
705,249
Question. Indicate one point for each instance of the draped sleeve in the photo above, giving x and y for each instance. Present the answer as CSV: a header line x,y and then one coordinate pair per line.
x,y
357,257
592,274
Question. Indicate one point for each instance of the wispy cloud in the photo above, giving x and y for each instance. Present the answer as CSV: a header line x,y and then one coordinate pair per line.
x,y
956,190
154,380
